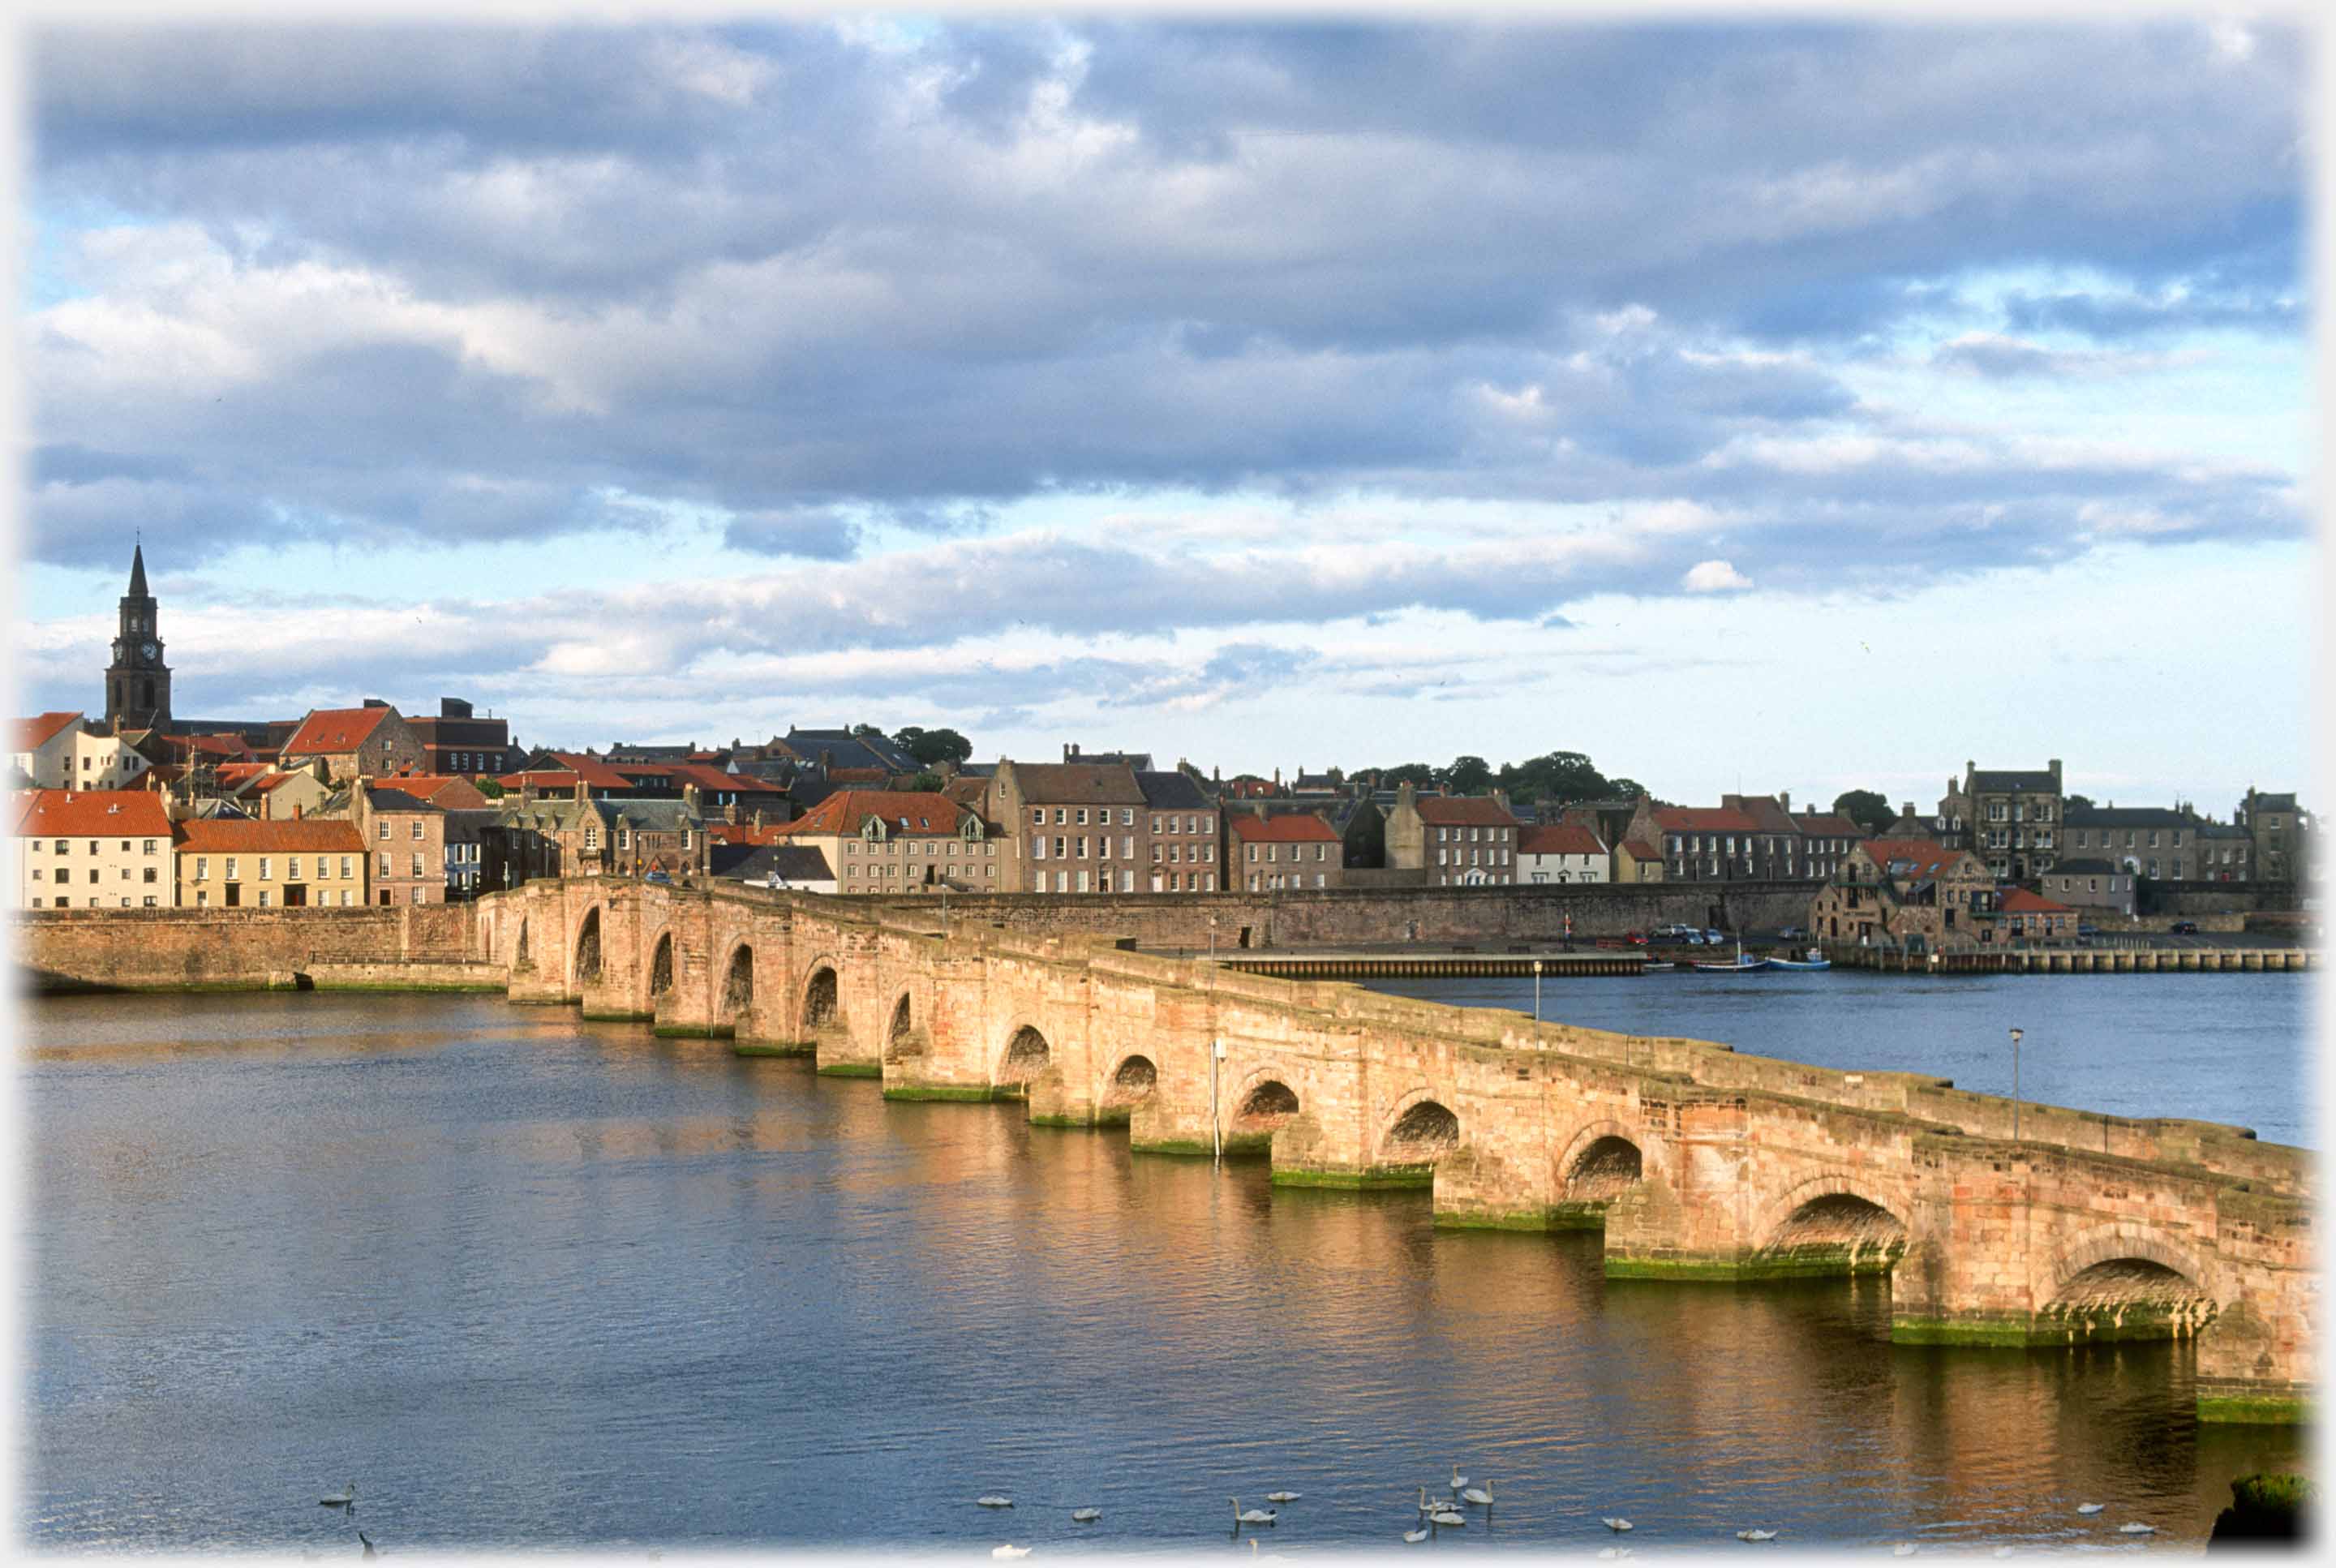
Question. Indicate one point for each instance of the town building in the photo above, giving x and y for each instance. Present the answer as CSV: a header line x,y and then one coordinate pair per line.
x,y
1637,861
406,836
2033,918
137,683
2089,881
1072,827
901,843
650,837
371,741
2009,816
1178,825
2226,852
1563,852
2160,842
2281,833
92,849
311,863
1914,893
1456,840
1288,850
458,741
45,750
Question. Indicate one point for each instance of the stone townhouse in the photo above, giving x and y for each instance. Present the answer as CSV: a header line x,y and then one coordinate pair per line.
x,y
1826,839
92,849
2282,832
311,863
1179,824
642,837
406,836
472,843
2226,852
1563,852
901,843
44,749
1912,892
2009,816
2033,918
2160,842
368,742
1288,850
1706,843
458,742
1457,839
543,836
1070,827
2089,882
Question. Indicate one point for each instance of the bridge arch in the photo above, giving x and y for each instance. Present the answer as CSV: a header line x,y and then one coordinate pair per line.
x,y
2122,1280
520,958
588,948
1602,1162
1026,1055
1131,1082
737,985
902,1037
1833,1223
1265,1105
822,1000
1423,1130
662,966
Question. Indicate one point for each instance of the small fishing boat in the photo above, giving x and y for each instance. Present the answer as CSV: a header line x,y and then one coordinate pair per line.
x,y
1742,966
1814,958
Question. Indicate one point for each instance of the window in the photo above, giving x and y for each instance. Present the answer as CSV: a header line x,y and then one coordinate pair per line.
x,y
149,844
1083,851
1039,847
152,874
230,868
1127,816
1060,851
263,898
1039,816
384,827
65,847
150,900
202,868
344,898
385,869
1081,818
417,827
1127,846
417,864
1059,815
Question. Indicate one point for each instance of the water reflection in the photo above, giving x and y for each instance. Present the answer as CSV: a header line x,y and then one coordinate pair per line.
x,y
537,1281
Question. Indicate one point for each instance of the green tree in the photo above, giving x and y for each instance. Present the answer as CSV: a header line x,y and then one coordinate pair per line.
x,y
930,746
928,780
489,788
1467,775
1868,809
1418,775
2076,803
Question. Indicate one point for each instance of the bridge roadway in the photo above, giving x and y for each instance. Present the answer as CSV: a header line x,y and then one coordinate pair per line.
x,y
1697,1161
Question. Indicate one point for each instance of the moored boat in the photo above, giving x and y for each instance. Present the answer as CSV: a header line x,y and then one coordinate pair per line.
x,y
1814,958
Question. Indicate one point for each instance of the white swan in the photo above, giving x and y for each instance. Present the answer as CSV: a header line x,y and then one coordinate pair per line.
x,y
1479,1494
2136,1529
2090,1508
992,1500
1415,1536
1458,1480
1254,1516
1427,1507
1448,1519
1903,1549
1009,1552
368,1542
1617,1526
1085,1515
1756,1534
340,1499
1282,1496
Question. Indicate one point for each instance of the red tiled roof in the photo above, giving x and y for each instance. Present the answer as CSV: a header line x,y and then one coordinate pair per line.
x,y
1563,840
243,771
2020,901
594,773
333,730
1639,849
1464,811
33,734
197,746
1289,828
92,814
1924,857
297,835
747,832
545,780
706,776
929,813
1706,819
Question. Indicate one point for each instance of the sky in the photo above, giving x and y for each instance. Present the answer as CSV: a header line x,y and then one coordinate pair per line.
x,y
1757,405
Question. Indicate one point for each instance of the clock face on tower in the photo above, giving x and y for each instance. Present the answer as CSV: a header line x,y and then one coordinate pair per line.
x,y
148,649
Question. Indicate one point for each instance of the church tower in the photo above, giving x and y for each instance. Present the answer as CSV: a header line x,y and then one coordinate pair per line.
x,y
137,683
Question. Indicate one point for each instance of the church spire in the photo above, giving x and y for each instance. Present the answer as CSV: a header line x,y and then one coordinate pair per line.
x,y
137,571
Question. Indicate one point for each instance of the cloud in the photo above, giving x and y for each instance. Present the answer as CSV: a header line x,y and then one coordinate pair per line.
x,y
1713,577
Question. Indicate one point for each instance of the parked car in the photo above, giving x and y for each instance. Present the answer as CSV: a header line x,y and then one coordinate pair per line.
x,y
1695,938
2184,927
2085,930
1636,938
657,877
1712,937
1790,933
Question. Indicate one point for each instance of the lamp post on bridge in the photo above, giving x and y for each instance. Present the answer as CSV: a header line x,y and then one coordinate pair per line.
x,y
1213,940
1536,990
2015,1085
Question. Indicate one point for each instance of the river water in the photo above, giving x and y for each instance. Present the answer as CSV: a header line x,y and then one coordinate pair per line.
x,y
532,1281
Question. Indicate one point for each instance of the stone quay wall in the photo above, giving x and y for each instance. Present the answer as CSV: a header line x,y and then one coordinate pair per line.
x,y
243,949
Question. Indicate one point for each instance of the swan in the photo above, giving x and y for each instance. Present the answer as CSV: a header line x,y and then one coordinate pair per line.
x,y
1415,1536
1254,1516
340,1499
993,1500
368,1542
1427,1507
1009,1552
1756,1534
1085,1515
1479,1494
1283,1496
2003,1551
1617,1526
1903,1549
1458,1480
1448,1519
2089,1507
2136,1529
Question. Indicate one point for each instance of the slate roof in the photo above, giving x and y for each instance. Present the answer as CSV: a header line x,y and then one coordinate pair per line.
x,y
2283,802
756,863
1560,839
1832,824
657,816
845,749
396,800
1707,819
2127,817
329,731
1078,784
1172,792
33,734
1462,811
2004,781
2085,868
92,814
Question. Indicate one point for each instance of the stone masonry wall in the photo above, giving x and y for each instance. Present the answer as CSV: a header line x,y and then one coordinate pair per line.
x,y
68,950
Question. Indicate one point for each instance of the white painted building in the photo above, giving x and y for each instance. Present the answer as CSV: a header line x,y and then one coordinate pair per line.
x,y
1563,853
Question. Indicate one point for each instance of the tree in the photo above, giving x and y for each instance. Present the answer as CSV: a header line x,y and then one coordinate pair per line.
x,y
1866,808
930,746
1468,775
862,731
2076,803
1625,789
928,781
491,788
1561,776
1418,775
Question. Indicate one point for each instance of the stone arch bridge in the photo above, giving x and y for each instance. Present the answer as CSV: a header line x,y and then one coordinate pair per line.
x,y
1698,1163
